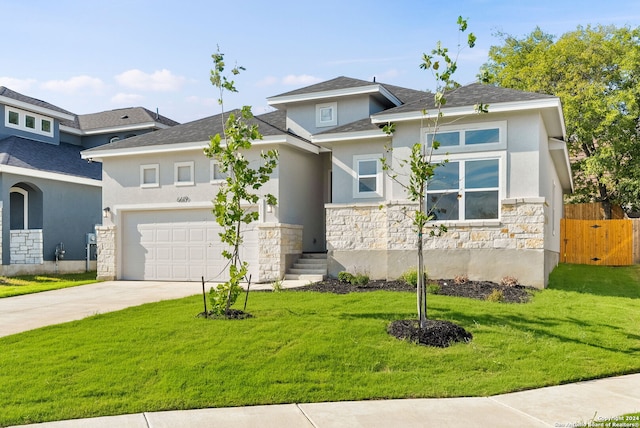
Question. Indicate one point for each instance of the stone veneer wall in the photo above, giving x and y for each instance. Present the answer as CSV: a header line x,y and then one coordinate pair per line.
x,y
278,245
26,246
107,255
383,229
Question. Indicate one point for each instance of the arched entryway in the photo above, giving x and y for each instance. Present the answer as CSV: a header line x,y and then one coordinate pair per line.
x,y
25,219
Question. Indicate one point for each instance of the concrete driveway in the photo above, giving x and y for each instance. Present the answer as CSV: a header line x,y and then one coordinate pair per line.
x,y
22,313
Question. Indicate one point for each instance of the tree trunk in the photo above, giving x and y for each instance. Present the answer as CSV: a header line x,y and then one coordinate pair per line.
x,y
422,287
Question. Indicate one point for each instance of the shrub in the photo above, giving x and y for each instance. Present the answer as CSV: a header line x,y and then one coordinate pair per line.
x,y
277,285
433,288
496,296
460,279
345,277
509,281
410,277
360,279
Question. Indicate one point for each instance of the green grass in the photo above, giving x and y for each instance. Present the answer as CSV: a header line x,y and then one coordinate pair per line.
x,y
309,347
27,284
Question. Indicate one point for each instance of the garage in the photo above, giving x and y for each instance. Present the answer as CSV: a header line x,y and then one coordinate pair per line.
x,y
178,245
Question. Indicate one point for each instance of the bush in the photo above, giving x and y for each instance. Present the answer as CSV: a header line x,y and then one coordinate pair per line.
x,y
410,277
433,288
360,279
496,296
345,277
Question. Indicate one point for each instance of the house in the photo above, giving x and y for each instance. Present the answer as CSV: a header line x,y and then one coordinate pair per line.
x,y
50,198
500,194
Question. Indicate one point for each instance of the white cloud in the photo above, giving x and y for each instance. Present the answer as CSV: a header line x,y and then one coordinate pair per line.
x,y
75,85
162,80
126,99
302,79
267,81
18,85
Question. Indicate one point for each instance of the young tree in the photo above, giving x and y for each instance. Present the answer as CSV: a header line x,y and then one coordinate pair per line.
x,y
419,163
240,187
596,74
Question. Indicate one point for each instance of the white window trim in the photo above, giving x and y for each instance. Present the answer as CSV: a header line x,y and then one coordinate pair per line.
x,y
502,181
176,176
462,148
334,116
212,173
25,197
22,125
379,193
144,168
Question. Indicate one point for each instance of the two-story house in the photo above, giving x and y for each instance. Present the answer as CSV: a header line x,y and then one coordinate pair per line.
x,y
500,194
50,198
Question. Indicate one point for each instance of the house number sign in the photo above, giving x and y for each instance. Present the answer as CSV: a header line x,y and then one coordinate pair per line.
x,y
183,199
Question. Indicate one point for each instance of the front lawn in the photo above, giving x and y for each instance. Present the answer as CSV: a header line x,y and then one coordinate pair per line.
x,y
27,284
310,347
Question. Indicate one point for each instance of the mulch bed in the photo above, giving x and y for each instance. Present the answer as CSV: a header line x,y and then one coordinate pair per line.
x,y
471,289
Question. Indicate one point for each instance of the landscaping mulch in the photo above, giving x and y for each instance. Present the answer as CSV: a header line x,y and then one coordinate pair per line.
x,y
471,289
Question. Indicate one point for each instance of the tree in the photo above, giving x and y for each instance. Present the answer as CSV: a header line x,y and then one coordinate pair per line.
x,y
596,74
419,163
240,186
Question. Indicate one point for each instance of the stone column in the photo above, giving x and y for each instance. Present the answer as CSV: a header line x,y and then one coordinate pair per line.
x,y
107,252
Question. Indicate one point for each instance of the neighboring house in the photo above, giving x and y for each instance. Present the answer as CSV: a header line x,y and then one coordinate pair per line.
x,y
50,198
500,194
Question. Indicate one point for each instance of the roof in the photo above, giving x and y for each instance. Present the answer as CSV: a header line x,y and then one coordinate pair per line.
x,y
269,124
8,93
130,116
121,117
62,159
469,95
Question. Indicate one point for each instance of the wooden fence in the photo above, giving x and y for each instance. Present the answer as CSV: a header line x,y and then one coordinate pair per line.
x,y
600,242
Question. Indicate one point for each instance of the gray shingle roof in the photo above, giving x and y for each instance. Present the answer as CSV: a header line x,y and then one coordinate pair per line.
x,y
6,92
469,95
121,117
62,159
269,124
341,82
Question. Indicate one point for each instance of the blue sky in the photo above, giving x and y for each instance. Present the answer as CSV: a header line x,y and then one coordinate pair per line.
x,y
87,56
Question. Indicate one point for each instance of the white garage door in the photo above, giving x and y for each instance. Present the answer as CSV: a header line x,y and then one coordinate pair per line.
x,y
178,245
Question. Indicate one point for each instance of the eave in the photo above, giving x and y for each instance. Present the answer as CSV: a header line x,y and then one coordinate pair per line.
x,y
36,109
560,157
47,175
335,93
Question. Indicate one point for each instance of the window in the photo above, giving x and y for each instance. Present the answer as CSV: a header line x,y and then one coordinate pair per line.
x,y
368,171
326,114
465,190
216,174
488,136
14,118
149,175
183,174
114,139
19,119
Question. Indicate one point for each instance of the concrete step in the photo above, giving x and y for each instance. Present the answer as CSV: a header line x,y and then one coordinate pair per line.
x,y
308,271
304,277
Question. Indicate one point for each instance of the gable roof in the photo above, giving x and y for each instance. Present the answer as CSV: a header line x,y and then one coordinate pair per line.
x,y
63,159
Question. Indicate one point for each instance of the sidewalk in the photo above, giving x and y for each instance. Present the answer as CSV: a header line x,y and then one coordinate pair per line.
x,y
558,406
